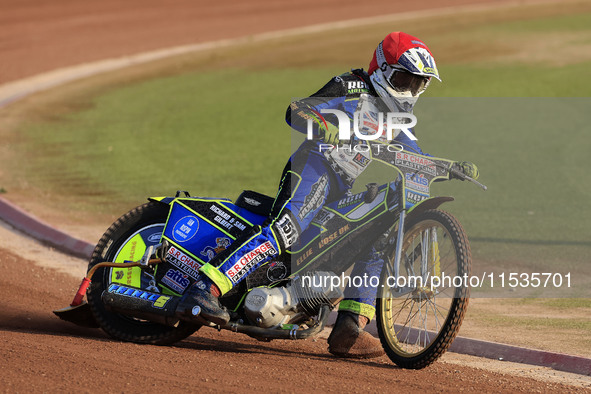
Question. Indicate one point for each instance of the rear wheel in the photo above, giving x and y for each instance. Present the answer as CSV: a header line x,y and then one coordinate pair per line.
x,y
127,239
418,320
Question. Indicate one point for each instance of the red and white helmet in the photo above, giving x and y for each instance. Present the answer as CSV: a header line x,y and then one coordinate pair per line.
x,y
401,69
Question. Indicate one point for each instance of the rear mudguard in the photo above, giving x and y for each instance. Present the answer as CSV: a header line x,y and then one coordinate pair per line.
x,y
163,200
430,203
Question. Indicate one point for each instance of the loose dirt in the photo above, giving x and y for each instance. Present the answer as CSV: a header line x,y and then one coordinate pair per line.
x,y
39,352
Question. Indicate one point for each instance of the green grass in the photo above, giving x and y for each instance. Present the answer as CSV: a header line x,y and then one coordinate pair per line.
x,y
218,131
556,303
552,24
539,323
513,81
211,134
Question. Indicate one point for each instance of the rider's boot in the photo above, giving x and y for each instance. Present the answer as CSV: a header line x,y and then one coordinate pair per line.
x,y
201,299
348,339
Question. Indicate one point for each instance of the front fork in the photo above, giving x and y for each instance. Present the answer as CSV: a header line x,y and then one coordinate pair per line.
x,y
429,253
399,238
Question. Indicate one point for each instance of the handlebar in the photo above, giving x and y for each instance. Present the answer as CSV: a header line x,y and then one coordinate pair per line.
x,y
463,176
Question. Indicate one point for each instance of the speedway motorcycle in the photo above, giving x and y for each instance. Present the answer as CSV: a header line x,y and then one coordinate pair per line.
x,y
150,256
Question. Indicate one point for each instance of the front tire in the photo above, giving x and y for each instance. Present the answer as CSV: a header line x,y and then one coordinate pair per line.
x,y
418,324
126,239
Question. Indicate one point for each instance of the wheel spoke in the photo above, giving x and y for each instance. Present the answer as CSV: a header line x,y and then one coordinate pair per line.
x,y
416,318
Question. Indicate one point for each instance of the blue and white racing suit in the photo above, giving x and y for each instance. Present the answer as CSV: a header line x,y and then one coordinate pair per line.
x,y
310,180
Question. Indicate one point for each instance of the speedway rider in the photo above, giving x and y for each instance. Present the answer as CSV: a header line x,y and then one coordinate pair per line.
x,y
401,69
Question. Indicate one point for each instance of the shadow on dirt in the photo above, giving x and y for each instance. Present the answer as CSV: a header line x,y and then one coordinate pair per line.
x,y
309,349
16,320
45,323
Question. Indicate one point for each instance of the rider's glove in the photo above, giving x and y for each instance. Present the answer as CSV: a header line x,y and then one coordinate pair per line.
x,y
330,133
466,168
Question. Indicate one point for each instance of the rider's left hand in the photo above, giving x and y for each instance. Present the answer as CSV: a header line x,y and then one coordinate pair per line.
x,y
467,168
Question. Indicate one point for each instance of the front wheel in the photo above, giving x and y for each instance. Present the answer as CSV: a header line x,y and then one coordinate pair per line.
x,y
420,312
127,239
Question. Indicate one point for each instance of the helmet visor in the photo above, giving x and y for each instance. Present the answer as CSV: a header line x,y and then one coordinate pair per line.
x,y
403,81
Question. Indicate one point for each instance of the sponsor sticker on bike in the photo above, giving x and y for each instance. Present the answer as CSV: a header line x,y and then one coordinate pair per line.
x,y
154,238
277,271
361,159
356,87
210,251
249,260
252,201
350,200
157,300
225,220
417,182
176,280
183,262
185,228
415,198
415,162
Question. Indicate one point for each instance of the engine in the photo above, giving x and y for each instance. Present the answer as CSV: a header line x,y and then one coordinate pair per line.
x,y
301,299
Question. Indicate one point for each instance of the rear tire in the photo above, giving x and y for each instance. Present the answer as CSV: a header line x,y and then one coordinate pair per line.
x,y
417,327
151,215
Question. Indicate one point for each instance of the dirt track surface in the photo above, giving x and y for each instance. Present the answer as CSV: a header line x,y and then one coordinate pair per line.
x,y
37,35
40,353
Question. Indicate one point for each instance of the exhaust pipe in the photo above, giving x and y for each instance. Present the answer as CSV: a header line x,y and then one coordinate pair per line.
x,y
160,308
141,304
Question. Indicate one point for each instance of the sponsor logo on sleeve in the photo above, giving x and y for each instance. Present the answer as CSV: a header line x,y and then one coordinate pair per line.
x,y
315,198
361,159
356,87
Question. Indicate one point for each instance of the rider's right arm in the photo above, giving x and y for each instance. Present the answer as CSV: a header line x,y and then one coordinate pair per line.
x,y
331,95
